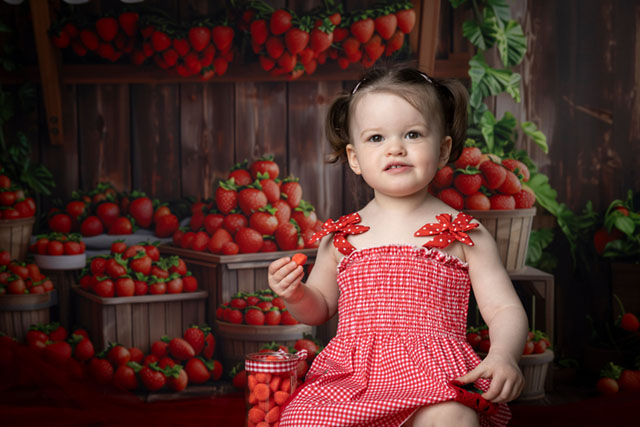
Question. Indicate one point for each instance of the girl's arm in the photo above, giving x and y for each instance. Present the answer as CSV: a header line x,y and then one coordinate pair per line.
x,y
315,301
503,312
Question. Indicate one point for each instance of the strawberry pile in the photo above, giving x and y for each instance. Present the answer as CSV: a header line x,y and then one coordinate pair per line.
x,y
263,307
13,202
204,48
480,181
615,378
104,210
172,363
136,270
58,244
19,278
478,337
253,211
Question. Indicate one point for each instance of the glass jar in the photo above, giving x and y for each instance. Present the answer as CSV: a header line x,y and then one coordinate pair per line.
x,y
271,381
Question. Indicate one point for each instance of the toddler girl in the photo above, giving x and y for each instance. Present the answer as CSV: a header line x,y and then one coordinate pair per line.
x,y
399,272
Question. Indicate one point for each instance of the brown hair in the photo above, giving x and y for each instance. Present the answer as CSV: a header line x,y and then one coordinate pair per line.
x,y
447,100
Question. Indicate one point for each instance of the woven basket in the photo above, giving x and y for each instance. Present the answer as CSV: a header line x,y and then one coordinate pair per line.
x,y
511,230
15,235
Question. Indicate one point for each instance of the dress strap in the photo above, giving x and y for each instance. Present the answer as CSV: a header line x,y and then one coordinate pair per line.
x,y
346,224
448,231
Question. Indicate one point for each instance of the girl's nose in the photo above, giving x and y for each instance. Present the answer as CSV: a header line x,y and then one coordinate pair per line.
x,y
395,147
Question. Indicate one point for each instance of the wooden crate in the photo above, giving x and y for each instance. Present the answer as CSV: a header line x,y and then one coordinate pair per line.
x,y
18,312
224,275
137,321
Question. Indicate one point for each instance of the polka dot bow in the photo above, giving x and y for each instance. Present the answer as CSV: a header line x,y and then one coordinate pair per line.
x,y
345,225
448,231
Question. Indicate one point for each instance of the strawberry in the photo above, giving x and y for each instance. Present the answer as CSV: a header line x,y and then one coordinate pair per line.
x,y
494,174
189,284
89,39
181,46
181,349
259,31
186,242
177,378
115,267
385,25
309,343
226,196
233,315
299,258
272,316
296,40
525,198
91,226
209,343
160,41
60,222
254,316
274,46
166,225
251,199
452,197
129,23
291,191
516,166
152,251
200,241
104,288
222,36
152,377
239,377
141,263
118,355
283,211
264,223
216,371
217,241
266,63
320,40
287,236
179,268
629,322
444,177
470,156
270,189
248,240
101,370
195,336
477,201
125,378
58,352
362,29
235,221
98,265
220,65
122,225
468,181
107,28
197,371
511,184
213,222
160,348
199,37
125,287
265,166
280,22
629,380
286,63
136,354
406,20
395,43
305,215
502,201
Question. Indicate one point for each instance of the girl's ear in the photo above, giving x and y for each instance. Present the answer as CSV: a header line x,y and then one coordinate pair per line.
x,y
445,150
352,158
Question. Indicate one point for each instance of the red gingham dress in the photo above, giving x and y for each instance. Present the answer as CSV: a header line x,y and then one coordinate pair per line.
x,y
400,341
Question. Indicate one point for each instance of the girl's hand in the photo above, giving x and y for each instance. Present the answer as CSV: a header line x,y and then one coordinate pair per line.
x,y
285,278
507,380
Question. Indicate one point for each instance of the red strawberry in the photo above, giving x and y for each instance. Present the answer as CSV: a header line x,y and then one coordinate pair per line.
x,y
264,223
406,20
470,156
166,225
200,241
386,25
58,352
125,287
60,40
152,251
511,184
136,354
141,263
248,240
104,288
91,226
233,315
280,22
199,37
395,43
181,46
152,377
270,189
444,177
467,183
305,215
118,355
128,22
266,63
107,28
502,201
160,41
287,318
212,222
516,166
190,284
226,196
181,349
362,29
320,40
283,211
83,349
451,197
494,174
195,336
125,378
159,348
296,40
629,380
239,378
197,371
209,344
89,39
275,47
217,241
187,240
258,30
265,166
525,198
101,370
629,322
254,316
216,372
272,316
251,199
233,222
121,225
222,36
177,378
287,236
477,201
286,63
291,191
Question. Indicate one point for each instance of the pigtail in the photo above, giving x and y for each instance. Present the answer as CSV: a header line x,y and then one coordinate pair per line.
x,y
455,105
337,127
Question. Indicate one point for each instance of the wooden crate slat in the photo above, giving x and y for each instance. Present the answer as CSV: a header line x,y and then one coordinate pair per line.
x,y
123,322
246,282
155,322
139,325
173,320
109,327
261,278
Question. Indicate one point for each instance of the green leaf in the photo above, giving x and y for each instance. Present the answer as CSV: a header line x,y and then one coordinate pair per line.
x,y
625,224
512,43
481,34
487,125
538,240
546,196
531,130
487,81
500,9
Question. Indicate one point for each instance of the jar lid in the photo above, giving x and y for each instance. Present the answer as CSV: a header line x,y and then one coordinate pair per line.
x,y
273,362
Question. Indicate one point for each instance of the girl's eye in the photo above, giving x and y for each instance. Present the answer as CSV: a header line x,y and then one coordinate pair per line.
x,y
413,135
375,138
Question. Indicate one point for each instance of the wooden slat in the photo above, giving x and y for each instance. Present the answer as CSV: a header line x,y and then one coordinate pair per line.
x,y
124,322
173,319
155,322
429,31
156,140
49,63
207,135
246,281
103,111
139,326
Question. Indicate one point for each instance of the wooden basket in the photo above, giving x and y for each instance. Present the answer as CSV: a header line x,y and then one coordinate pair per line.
x,y
236,340
15,235
139,320
18,312
534,368
511,230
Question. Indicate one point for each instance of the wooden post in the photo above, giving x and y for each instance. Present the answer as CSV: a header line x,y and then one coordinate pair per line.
x,y
428,17
49,65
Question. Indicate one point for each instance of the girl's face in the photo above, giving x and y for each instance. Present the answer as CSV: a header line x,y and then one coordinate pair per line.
x,y
393,147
